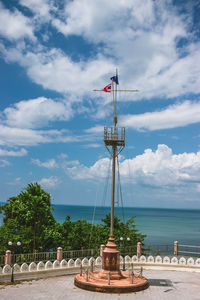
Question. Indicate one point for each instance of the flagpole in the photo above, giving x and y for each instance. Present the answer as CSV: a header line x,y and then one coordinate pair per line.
x,y
114,137
114,148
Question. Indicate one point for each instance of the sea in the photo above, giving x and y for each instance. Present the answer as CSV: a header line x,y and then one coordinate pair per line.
x,y
162,226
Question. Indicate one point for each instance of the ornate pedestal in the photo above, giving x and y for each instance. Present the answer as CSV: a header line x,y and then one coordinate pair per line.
x,y
110,279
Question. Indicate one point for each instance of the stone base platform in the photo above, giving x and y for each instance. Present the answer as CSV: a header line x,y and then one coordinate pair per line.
x,y
123,285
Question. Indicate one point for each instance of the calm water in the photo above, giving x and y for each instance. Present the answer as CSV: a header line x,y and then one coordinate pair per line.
x,y
162,226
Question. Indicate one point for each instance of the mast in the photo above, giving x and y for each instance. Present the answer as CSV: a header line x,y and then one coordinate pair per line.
x,y
114,91
114,140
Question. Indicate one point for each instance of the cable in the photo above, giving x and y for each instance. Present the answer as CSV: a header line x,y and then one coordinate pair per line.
x,y
120,190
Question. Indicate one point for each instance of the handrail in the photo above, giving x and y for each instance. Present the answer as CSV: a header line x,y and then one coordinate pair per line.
x,y
189,246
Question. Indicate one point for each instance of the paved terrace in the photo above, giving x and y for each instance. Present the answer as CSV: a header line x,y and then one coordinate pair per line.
x,y
166,285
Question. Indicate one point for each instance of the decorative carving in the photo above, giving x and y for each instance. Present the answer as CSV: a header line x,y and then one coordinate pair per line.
x,y
98,261
150,259
32,267
48,265
107,263
56,264
6,269
40,266
182,261
197,262
24,267
158,259
174,260
77,262
91,261
63,263
16,268
142,259
190,261
85,261
113,261
71,263
134,258
121,259
127,259
166,260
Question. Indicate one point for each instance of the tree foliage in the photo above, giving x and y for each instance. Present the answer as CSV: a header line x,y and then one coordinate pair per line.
x,y
28,218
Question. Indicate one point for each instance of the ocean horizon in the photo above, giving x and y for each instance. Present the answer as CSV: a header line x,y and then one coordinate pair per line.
x,y
162,226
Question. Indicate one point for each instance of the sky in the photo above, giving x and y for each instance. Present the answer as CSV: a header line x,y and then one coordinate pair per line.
x,y
54,53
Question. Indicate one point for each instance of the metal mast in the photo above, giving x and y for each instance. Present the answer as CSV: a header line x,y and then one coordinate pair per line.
x,y
114,140
114,137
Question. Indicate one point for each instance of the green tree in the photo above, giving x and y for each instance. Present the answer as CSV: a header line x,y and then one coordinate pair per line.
x,y
28,218
81,234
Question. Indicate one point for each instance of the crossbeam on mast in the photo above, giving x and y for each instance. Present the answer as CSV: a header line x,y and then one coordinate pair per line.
x,y
117,90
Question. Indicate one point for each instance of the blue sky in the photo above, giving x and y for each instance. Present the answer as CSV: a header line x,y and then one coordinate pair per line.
x,y
54,53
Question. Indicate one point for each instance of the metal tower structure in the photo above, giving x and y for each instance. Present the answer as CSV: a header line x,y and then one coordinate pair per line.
x,y
114,140
100,281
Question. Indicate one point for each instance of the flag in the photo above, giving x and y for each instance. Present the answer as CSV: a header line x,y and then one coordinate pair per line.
x,y
115,79
107,88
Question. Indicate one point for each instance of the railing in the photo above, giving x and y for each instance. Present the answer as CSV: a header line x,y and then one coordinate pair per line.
x,y
2,260
36,257
116,134
74,254
154,250
50,256
129,250
186,249
158,250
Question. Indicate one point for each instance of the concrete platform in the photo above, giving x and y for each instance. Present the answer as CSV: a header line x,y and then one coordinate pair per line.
x,y
166,285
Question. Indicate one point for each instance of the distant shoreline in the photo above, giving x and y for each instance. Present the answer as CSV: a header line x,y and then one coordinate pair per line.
x,y
133,207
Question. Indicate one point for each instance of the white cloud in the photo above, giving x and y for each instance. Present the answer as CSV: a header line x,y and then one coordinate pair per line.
x,y
94,145
62,156
50,182
163,168
10,136
14,25
97,129
160,168
55,70
41,8
16,181
49,164
79,171
143,44
36,113
4,163
21,152
176,115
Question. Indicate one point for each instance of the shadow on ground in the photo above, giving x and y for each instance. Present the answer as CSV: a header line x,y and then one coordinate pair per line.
x,y
160,282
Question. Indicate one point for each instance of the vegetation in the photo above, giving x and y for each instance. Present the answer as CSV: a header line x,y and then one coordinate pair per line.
x,y
28,218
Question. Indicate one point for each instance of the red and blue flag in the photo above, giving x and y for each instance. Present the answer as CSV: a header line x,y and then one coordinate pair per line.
x,y
115,79
107,88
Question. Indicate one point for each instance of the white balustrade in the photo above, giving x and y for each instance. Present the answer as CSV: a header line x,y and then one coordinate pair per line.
x,y
71,266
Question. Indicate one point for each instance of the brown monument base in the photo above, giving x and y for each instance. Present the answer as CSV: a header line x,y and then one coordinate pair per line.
x,y
110,279
97,284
